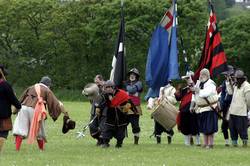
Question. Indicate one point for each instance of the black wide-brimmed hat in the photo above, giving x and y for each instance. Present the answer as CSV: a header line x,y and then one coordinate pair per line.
x,y
68,124
230,70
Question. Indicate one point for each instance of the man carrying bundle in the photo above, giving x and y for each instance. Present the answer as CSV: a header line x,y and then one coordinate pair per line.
x,y
94,92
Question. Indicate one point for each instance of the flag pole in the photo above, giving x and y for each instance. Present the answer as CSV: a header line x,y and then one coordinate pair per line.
x,y
211,5
122,2
187,68
124,48
2,74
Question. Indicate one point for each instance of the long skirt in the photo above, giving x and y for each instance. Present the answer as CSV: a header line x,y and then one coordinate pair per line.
x,y
208,122
188,123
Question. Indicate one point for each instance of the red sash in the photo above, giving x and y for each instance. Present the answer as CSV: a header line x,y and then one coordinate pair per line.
x,y
39,115
120,97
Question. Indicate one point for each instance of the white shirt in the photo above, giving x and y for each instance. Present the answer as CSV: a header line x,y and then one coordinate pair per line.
x,y
209,90
240,100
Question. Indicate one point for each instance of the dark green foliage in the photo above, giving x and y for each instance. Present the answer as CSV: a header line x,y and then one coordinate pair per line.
x,y
236,40
230,3
73,41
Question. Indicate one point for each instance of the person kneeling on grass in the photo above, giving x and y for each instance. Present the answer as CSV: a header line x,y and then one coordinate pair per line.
x,y
31,118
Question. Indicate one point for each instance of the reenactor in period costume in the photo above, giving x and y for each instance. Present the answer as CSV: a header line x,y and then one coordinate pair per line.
x,y
205,97
30,120
238,120
7,98
99,81
98,104
187,122
118,104
134,88
225,101
167,92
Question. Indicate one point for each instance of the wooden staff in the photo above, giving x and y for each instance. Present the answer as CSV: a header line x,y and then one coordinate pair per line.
x,y
1,71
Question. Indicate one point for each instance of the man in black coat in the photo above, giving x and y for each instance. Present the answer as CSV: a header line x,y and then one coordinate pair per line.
x,y
7,98
118,103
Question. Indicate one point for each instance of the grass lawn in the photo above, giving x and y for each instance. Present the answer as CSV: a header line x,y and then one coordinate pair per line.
x,y
66,150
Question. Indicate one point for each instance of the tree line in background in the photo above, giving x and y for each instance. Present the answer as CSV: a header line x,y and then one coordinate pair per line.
x,y
73,41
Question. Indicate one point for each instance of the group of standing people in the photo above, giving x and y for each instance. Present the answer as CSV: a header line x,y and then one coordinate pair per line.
x,y
201,105
231,103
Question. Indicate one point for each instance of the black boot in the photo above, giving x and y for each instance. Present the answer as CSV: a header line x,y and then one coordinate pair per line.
x,y
191,141
119,144
99,142
169,140
158,139
105,143
244,143
136,140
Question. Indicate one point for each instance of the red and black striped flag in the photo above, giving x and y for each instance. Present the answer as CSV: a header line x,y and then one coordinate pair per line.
x,y
118,72
213,58
213,55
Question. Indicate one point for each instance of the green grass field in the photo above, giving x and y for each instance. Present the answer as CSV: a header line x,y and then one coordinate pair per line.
x,y
66,150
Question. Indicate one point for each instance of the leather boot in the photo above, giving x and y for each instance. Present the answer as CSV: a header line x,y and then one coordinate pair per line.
x,y
191,140
136,140
169,140
119,144
99,142
105,143
158,139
